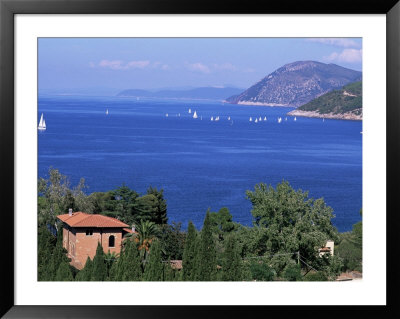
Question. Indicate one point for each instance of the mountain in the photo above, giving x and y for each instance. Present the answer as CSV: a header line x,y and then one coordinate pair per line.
x,y
345,103
206,93
296,83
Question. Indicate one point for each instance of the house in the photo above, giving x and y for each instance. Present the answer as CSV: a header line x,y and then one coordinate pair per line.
x,y
82,232
328,249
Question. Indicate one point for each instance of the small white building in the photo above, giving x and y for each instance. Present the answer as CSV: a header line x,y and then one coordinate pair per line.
x,y
329,248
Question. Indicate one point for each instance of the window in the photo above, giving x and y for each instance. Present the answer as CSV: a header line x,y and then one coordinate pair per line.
x,y
89,232
111,241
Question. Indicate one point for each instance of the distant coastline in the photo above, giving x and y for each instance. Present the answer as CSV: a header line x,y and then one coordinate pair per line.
x,y
315,114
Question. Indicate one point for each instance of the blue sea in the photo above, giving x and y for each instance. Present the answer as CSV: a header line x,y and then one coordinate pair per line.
x,y
200,163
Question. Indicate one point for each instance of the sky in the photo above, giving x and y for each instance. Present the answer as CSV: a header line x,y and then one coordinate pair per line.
x,y
154,63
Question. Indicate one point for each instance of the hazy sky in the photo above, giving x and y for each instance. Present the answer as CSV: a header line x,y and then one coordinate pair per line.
x,y
151,63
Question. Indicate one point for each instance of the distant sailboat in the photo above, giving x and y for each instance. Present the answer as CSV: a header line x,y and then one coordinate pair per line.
x,y
195,115
295,118
107,112
229,118
212,118
250,119
217,118
256,121
279,119
260,119
42,124
166,115
265,118
190,111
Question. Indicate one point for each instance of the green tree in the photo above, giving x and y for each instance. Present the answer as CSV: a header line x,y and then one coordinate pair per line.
x,y
172,240
46,245
232,262
129,266
189,254
222,223
292,272
260,270
206,268
292,221
58,256
349,248
64,272
147,231
99,271
85,274
159,214
154,267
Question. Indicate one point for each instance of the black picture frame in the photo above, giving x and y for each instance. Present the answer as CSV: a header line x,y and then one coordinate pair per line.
x,y
8,10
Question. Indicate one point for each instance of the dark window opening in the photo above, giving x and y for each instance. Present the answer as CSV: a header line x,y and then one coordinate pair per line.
x,y
89,232
111,241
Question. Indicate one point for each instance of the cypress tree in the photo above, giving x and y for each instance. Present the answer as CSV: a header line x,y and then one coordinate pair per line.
x,y
189,254
46,243
86,273
154,268
129,264
232,264
207,264
99,271
63,272
59,256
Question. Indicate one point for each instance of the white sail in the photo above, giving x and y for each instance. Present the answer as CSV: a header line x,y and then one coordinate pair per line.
x,y
212,118
217,118
166,114
256,121
250,119
190,111
295,118
42,123
260,119
229,118
195,115
279,119
107,111
265,118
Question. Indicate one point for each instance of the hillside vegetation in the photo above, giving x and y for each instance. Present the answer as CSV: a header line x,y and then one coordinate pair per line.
x,y
348,99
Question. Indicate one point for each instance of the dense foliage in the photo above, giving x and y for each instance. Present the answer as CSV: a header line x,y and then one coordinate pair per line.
x,y
347,99
289,228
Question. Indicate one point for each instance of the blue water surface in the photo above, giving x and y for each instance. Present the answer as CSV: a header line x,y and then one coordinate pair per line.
x,y
200,163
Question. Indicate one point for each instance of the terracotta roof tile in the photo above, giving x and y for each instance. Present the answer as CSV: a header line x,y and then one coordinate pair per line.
x,y
80,219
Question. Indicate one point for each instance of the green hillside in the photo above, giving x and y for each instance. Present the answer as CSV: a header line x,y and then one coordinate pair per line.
x,y
347,99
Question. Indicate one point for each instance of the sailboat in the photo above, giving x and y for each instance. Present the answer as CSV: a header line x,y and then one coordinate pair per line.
x,y
195,115
250,119
279,119
256,121
295,118
217,118
107,112
42,124
212,118
260,119
229,118
190,111
265,118
166,115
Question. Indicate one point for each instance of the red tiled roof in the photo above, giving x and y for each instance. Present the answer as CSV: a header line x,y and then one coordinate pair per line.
x,y
80,219
325,249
